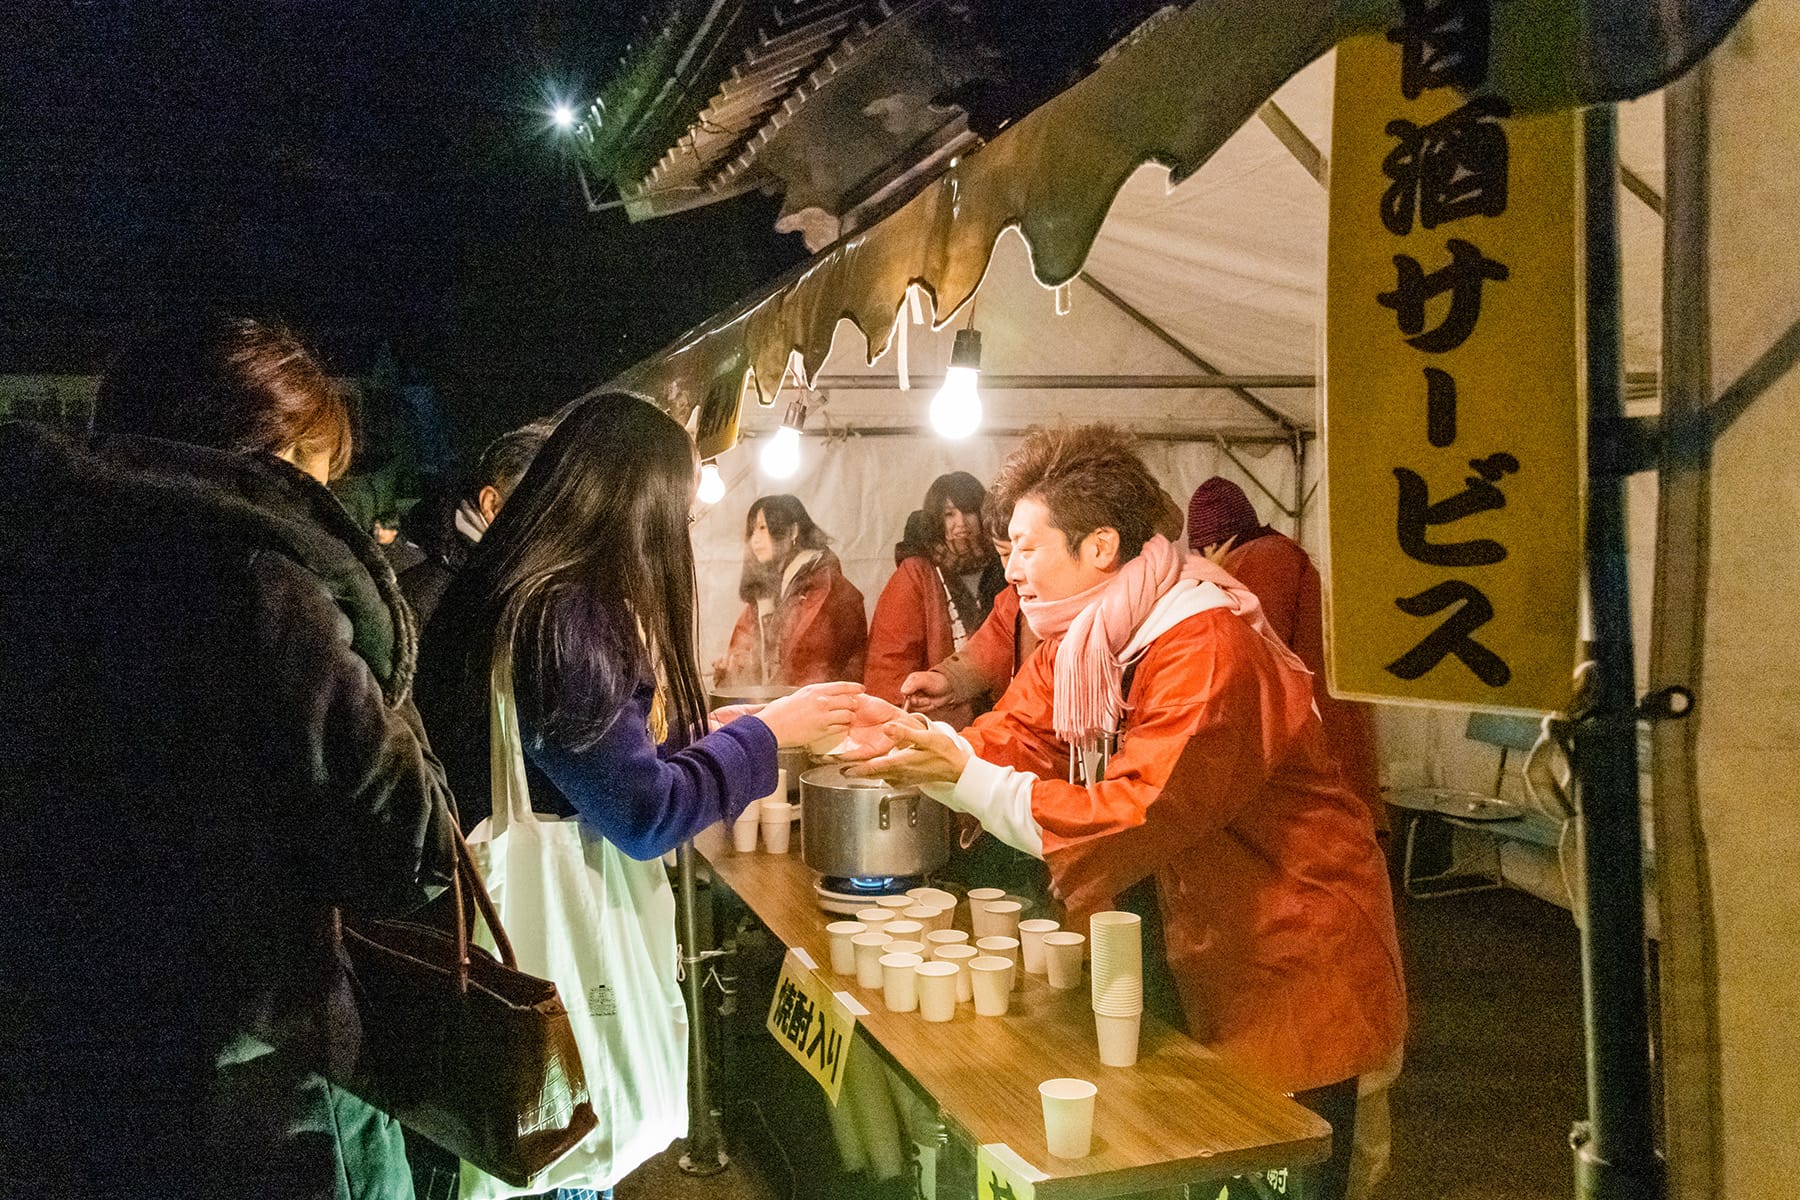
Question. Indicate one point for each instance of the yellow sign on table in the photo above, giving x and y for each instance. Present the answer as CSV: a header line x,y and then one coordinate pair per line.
x,y
814,1023
1000,1174
1453,421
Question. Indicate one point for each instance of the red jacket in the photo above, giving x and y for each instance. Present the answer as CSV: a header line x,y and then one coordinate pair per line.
x,y
818,632
1273,892
910,632
1279,571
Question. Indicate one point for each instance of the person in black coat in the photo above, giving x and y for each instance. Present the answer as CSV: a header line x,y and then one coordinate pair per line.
x,y
208,746
497,472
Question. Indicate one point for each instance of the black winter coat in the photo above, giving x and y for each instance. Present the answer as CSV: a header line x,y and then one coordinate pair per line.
x,y
206,742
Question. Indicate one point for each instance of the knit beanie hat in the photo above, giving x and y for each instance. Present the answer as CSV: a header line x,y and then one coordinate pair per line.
x,y
1220,510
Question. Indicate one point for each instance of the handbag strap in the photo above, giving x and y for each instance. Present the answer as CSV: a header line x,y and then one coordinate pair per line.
x,y
466,876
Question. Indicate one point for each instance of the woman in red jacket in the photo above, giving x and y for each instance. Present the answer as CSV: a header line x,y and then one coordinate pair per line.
x,y
810,618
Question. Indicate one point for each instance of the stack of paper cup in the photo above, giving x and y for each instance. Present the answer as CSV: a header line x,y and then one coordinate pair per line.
x,y
958,955
743,830
777,825
843,950
937,990
1118,984
1031,944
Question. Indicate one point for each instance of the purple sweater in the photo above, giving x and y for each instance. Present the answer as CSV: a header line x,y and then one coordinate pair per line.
x,y
647,801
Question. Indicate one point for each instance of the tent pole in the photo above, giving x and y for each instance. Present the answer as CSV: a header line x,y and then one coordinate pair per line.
x,y
1615,1155
705,1154
1298,446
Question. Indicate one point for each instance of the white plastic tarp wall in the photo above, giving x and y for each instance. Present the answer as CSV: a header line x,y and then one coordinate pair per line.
x,y
1231,265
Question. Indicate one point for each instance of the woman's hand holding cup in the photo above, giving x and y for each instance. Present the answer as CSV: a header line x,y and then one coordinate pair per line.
x,y
814,713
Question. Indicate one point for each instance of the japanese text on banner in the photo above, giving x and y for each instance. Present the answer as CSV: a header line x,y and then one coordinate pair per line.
x,y
812,1024
1452,419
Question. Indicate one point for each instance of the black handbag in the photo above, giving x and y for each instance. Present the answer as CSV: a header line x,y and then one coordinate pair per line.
x,y
465,1049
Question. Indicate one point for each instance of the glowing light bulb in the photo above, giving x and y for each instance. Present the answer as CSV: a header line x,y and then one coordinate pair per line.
x,y
780,457
563,115
956,409
712,484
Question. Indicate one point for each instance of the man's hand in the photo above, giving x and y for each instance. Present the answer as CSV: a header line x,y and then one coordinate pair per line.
x,y
926,691
921,753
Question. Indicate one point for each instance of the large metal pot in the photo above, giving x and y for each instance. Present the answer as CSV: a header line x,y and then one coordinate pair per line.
x,y
853,828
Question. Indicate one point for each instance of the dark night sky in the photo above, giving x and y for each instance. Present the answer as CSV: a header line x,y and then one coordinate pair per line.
x,y
369,172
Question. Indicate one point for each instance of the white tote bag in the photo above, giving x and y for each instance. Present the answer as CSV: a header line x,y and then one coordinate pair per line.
x,y
601,926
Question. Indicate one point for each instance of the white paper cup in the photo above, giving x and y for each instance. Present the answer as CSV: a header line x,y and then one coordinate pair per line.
x,y
894,902
930,897
1031,944
959,956
869,949
1004,947
990,977
1062,958
996,918
1118,963
936,982
901,927
978,895
874,918
899,986
1118,1039
942,918
752,812
924,914
843,950
945,937
906,946
1068,1116
781,786
743,836
777,825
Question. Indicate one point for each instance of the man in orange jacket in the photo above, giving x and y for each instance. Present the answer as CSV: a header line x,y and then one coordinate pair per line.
x,y
1163,732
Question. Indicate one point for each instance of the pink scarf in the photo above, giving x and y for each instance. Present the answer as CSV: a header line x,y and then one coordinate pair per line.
x,y
1097,625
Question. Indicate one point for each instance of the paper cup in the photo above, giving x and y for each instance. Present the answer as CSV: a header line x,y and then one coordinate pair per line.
x,y
894,902
990,976
1062,958
943,918
843,950
930,897
996,918
899,986
978,895
869,949
1031,944
752,812
1118,1039
1068,1116
958,956
906,946
781,786
874,918
743,837
777,825
924,914
1004,947
1118,963
936,982
945,937
903,928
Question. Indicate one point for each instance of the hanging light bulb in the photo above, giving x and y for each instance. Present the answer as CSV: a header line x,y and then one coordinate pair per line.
x,y
562,116
712,484
956,409
780,458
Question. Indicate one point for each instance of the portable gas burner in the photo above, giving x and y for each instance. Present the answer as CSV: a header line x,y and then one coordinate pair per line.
x,y
845,896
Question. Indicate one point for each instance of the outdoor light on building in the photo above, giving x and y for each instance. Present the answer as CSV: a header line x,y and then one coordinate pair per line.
x,y
564,116
780,458
956,409
712,484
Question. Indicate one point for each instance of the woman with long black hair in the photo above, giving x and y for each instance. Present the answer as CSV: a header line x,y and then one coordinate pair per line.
x,y
579,604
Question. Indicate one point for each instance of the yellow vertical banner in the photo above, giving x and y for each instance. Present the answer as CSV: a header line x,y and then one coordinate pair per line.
x,y
1453,422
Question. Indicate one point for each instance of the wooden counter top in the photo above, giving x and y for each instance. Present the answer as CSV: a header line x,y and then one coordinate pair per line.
x,y
1179,1115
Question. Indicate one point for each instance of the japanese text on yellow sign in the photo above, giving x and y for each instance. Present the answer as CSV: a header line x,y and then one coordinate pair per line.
x,y
1000,1174
1452,418
812,1024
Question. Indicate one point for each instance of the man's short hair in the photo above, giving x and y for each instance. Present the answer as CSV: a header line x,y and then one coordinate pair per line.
x,y
507,458
1089,477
